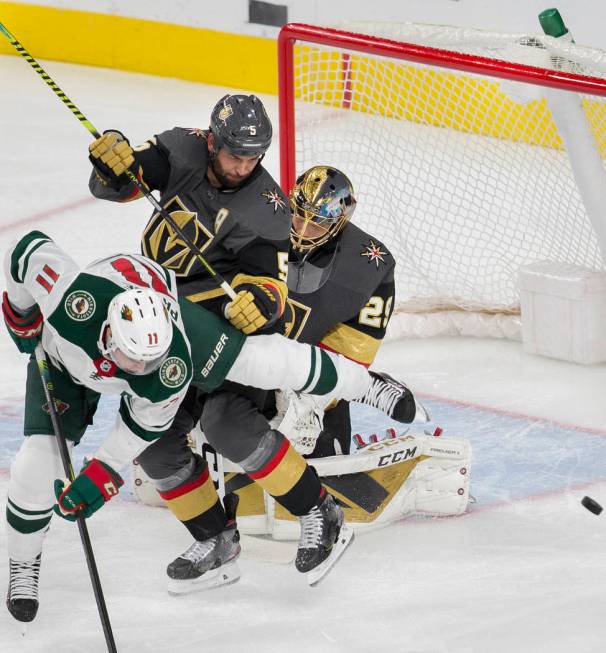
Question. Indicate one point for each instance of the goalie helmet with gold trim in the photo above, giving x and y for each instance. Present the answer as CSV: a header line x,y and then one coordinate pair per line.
x,y
322,202
240,124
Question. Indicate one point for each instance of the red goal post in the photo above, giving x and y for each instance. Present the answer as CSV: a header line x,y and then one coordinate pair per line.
x,y
460,161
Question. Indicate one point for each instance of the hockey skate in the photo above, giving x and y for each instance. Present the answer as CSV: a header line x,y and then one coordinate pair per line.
x,y
209,563
22,598
324,538
394,399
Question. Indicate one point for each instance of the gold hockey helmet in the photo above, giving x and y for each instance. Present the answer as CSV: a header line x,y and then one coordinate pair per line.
x,y
322,201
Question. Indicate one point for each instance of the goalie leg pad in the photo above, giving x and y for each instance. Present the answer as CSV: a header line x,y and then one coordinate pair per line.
x,y
388,480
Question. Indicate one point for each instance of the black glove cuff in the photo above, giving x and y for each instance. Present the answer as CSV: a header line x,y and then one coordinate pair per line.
x,y
105,173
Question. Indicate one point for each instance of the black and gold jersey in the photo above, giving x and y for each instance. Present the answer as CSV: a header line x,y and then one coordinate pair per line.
x,y
238,230
342,295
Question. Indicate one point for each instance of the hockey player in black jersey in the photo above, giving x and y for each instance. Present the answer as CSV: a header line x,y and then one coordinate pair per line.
x,y
200,174
340,283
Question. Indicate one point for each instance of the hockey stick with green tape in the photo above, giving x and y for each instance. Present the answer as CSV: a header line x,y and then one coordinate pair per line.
x,y
47,384
131,176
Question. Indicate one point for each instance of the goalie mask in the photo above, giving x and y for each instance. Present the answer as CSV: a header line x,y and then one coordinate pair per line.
x,y
137,333
240,124
322,202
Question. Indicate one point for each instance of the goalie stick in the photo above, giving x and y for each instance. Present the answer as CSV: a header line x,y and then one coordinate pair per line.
x,y
131,176
47,384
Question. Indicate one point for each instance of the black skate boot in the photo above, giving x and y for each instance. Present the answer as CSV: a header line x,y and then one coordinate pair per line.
x,y
209,563
324,538
22,599
394,399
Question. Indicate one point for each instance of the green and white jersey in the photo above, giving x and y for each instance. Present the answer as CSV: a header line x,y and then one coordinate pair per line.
x,y
74,303
205,349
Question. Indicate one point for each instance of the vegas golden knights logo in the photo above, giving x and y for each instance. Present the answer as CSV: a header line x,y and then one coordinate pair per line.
x,y
297,319
161,243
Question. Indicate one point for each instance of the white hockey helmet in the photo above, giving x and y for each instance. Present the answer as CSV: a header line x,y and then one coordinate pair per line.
x,y
140,331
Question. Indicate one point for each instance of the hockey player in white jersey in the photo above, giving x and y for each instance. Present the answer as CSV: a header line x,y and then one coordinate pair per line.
x,y
116,327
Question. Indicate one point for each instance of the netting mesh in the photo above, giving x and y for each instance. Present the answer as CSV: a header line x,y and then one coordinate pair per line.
x,y
463,176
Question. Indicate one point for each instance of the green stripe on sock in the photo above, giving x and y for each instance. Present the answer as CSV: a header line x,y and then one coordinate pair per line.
x,y
29,512
20,249
312,370
26,526
148,436
328,376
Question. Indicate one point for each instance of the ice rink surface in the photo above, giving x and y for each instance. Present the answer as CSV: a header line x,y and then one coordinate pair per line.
x,y
524,570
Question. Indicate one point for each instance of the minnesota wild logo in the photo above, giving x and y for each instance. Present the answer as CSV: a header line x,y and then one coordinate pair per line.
x,y
126,314
80,305
173,372
60,407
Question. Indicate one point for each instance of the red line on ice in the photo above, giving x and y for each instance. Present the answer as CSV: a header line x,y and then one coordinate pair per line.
x,y
514,414
48,213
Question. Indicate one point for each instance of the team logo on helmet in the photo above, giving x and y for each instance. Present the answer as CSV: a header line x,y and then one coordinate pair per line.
x,y
126,313
173,372
273,197
80,305
373,252
226,112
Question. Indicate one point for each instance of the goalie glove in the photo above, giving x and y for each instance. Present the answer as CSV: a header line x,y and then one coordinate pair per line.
x,y
300,419
112,155
258,303
24,328
94,486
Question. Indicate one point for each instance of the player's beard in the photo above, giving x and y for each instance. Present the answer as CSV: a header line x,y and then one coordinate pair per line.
x,y
225,180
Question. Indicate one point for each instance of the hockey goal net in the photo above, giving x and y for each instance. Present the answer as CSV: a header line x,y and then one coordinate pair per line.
x,y
457,156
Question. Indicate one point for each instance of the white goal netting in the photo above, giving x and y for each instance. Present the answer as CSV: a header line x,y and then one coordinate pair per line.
x,y
464,176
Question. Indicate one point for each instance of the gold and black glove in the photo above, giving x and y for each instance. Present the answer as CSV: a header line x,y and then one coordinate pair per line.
x,y
258,303
112,155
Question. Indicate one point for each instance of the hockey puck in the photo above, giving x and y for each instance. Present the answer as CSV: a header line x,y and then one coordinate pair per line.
x,y
591,505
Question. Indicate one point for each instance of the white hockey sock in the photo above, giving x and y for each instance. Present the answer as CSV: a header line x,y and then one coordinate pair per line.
x,y
353,379
31,496
270,362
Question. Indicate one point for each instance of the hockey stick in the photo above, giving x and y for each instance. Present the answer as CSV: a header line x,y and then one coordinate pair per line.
x,y
47,384
131,176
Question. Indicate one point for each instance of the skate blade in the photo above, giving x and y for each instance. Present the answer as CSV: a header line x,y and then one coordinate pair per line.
x,y
224,575
346,536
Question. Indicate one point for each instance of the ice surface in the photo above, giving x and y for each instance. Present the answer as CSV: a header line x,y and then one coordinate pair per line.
x,y
524,570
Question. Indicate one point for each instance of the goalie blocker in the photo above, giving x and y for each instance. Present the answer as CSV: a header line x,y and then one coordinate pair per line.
x,y
413,474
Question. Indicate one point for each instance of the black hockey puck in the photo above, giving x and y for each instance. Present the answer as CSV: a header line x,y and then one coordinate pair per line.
x,y
591,505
